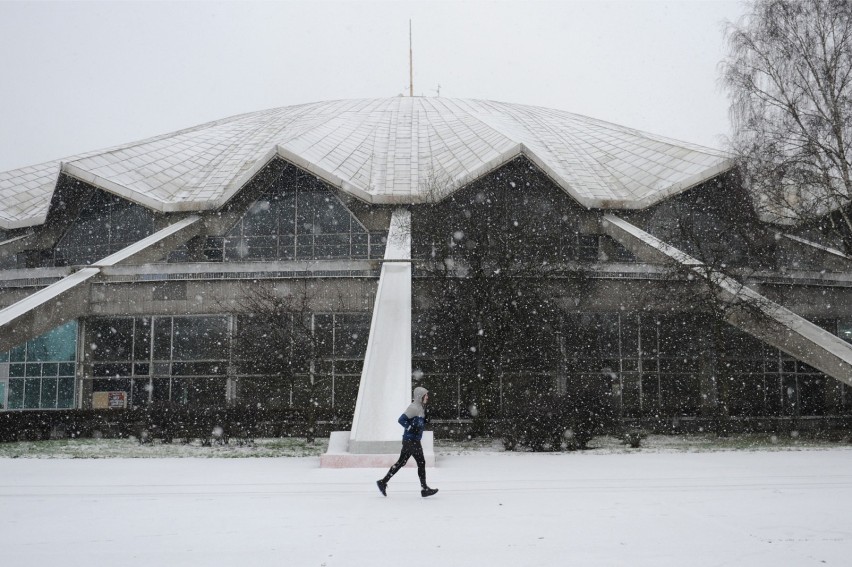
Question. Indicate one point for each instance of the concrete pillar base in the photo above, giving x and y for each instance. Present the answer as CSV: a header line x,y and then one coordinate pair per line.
x,y
339,456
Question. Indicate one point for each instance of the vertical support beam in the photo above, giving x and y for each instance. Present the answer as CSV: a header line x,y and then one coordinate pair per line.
x,y
385,388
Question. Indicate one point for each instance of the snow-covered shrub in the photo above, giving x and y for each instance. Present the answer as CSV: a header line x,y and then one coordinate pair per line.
x,y
634,437
551,422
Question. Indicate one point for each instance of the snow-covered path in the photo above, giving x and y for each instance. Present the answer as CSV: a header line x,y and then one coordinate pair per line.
x,y
685,509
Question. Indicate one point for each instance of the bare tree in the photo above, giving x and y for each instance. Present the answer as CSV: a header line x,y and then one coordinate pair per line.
x,y
789,75
278,338
493,259
731,247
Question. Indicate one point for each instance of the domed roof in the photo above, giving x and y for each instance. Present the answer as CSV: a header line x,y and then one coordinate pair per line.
x,y
382,151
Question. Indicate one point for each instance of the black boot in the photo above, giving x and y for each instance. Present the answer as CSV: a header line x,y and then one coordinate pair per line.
x,y
428,491
383,486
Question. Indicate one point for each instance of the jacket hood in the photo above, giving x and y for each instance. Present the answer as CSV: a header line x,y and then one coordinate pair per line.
x,y
419,393
416,408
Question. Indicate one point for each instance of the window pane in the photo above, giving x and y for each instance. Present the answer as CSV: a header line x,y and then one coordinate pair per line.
x,y
235,249
163,338
629,336
200,338
110,339
443,397
681,394
304,212
360,245
18,353
589,247
260,219
351,335
630,395
111,369
774,400
48,393
198,391
129,223
198,368
269,391
844,329
141,388
812,390
790,395
650,393
747,394
353,367
301,391
323,334
142,339
331,246
322,391
345,394
286,249
305,246
260,248
160,390
66,393
16,393
287,214
32,393
378,241
331,216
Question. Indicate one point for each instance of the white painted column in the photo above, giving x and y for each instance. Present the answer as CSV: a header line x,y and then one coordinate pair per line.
x,y
385,389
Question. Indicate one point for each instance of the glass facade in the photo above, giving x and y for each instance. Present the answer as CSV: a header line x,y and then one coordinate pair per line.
x,y
159,359
106,224
40,373
515,218
654,367
189,360
297,218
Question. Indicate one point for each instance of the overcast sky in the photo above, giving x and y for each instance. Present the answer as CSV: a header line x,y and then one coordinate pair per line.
x,y
84,76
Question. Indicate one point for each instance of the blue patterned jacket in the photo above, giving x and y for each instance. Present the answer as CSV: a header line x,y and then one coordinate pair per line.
x,y
414,418
414,427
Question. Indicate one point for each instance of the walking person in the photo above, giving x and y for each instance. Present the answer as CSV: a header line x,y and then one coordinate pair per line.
x,y
414,421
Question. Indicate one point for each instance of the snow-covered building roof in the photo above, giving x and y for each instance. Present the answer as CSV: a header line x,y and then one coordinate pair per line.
x,y
382,151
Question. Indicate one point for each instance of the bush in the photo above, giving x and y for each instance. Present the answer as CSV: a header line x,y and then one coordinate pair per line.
x,y
167,423
633,437
536,423
549,422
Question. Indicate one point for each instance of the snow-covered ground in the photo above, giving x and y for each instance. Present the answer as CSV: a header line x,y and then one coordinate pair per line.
x,y
605,507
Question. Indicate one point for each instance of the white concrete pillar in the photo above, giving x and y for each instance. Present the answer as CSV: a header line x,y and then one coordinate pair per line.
x,y
385,389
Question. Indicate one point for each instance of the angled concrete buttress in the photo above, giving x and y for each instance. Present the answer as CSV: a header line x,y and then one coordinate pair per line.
x,y
45,309
385,390
68,298
775,325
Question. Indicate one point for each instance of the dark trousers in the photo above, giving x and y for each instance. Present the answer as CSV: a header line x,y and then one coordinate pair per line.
x,y
410,448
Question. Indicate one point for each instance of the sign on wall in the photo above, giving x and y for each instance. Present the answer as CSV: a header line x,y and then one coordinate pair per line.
x,y
109,400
